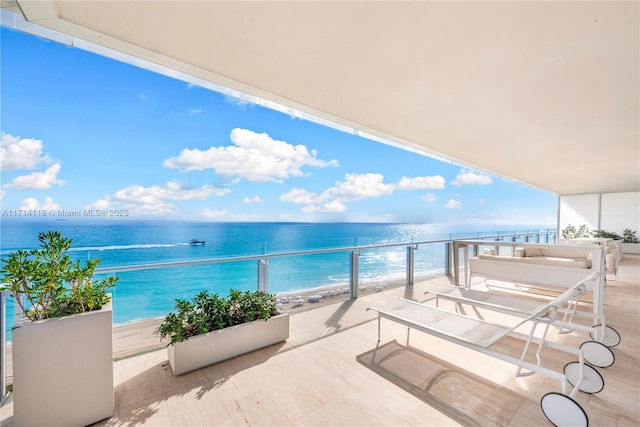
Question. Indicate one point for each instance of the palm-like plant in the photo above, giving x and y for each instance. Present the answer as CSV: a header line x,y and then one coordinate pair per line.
x,y
52,284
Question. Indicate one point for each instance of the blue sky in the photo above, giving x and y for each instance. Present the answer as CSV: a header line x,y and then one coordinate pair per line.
x,y
81,132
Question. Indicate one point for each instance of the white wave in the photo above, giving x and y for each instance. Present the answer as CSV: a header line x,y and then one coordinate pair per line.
x,y
125,247
108,248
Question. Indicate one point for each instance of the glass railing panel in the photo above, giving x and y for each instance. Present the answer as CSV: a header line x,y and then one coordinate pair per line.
x,y
382,268
430,261
303,281
151,293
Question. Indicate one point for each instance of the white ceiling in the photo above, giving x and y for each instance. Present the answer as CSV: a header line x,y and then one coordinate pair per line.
x,y
545,93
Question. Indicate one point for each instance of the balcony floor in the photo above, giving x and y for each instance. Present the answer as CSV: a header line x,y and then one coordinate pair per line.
x,y
325,375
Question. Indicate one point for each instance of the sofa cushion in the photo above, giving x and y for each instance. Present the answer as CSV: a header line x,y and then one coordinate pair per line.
x,y
532,252
575,252
542,260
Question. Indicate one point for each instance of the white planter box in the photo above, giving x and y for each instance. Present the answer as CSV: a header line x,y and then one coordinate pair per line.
x,y
63,370
631,248
216,346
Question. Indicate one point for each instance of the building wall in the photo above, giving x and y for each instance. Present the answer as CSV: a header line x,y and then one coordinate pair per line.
x,y
601,211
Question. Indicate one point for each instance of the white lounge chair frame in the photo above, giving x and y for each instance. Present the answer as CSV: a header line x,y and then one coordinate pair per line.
x,y
524,307
480,335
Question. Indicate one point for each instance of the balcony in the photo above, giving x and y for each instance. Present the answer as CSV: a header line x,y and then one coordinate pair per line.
x,y
325,375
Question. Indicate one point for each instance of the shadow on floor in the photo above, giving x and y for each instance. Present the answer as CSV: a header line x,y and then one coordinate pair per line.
x,y
465,397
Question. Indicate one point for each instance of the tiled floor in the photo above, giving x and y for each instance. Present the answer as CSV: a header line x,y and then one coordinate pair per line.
x,y
324,375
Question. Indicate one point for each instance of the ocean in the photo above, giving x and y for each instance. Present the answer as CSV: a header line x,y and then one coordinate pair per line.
x,y
151,293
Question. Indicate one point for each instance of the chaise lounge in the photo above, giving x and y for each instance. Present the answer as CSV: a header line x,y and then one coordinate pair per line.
x,y
480,335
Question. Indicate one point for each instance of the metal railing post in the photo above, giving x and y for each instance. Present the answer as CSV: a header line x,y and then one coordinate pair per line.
x,y
263,275
3,344
354,279
411,254
447,259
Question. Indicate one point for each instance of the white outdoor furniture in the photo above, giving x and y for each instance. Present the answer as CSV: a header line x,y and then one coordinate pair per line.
x,y
480,335
523,307
613,250
537,264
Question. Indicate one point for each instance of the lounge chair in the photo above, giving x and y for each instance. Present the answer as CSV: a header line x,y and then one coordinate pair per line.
x,y
480,335
524,307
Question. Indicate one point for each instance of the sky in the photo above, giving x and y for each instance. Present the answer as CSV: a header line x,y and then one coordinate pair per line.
x,y
86,135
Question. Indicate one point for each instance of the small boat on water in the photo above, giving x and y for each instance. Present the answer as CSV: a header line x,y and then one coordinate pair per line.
x,y
194,242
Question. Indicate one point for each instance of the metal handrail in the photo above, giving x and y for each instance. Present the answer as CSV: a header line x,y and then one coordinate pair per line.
x,y
121,269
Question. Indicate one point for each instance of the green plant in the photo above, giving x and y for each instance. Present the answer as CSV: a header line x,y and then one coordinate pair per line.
x,y
207,312
629,236
605,234
51,282
570,232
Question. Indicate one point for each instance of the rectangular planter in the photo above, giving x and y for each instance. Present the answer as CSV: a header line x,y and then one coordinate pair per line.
x,y
63,370
631,248
216,346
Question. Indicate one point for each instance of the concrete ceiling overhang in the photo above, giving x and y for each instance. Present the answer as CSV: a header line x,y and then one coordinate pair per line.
x,y
544,93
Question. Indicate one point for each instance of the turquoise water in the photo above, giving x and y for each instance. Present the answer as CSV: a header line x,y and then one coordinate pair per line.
x,y
151,293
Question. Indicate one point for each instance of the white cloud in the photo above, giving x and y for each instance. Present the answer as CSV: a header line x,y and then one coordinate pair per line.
x,y
254,157
31,203
140,200
435,182
172,191
466,177
299,196
101,204
429,197
314,202
365,186
37,180
25,153
354,187
195,110
453,204
255,199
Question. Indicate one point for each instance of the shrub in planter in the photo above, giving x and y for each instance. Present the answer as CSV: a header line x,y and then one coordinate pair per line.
x,y
629,236
51,282
62,347
207,312
209,329
571,232
606,234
